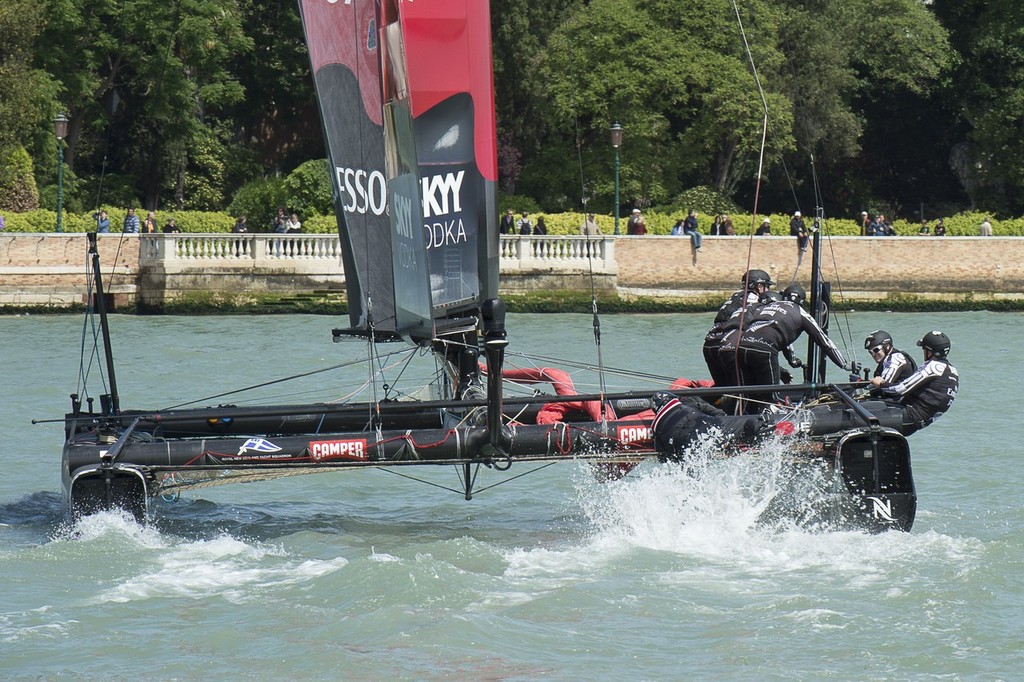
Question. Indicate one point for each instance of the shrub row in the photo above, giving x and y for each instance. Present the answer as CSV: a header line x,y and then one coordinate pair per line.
x,y
200,222
42,220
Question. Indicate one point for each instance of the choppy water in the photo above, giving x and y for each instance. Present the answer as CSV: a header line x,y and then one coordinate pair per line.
x,y
365,575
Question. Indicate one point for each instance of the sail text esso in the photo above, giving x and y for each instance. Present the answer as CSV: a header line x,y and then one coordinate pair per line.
x,y
362,191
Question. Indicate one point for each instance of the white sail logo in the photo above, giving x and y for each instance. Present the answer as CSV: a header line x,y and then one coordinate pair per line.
x,y
362,192
405,255
881,508
441,194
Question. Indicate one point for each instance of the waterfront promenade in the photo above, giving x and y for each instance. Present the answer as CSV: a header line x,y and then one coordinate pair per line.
x,y
39,270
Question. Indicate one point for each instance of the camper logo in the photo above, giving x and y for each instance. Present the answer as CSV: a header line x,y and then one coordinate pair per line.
x,y
353,448
634,434
260,445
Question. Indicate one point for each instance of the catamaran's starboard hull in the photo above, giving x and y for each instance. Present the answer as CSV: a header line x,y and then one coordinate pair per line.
x,y
873,489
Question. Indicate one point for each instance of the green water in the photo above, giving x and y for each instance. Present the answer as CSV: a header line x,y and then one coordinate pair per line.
x,y
365,575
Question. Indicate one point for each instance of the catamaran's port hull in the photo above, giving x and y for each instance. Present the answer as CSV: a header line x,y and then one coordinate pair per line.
x,y
874,485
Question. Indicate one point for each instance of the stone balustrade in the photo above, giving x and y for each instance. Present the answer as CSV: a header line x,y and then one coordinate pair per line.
x,y
255,248
50,269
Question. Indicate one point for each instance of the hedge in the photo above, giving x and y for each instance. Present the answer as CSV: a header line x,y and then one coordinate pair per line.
x,y
200,222
963,224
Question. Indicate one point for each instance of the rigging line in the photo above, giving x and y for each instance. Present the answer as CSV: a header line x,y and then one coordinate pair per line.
x,y
819,216
536,359
595,316
275,381
760,168
420,480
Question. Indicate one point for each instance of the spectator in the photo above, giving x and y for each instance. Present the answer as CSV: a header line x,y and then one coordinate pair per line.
x,y
864,220
589,226
727,227
871,227
149,226
293,225
102,221
279,224
523,225
131,222
690,228
637,224
3,224
765,229
240,226
799,230
884,227
171,227
508,223
540,228
940,228
716,226
986,228
924,230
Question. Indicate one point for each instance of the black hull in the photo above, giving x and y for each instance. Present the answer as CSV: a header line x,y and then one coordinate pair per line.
x,y
874,486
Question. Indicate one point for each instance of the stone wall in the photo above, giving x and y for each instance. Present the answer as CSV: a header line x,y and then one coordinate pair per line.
x,y
867,267
50,269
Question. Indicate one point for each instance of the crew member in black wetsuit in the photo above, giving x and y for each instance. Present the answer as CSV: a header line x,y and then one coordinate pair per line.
x,y
893,365
927,393
731,336
774,328
755,283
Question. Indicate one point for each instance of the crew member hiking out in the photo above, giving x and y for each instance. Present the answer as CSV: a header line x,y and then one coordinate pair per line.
x,y
927,393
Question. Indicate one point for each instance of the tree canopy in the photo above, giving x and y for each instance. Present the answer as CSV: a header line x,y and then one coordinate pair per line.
x,y
894,105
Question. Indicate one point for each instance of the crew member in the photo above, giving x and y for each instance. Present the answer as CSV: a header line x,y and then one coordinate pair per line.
x,y
927,393
755,283
893,365
774,328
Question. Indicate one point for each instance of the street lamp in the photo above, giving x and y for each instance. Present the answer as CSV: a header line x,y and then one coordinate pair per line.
x,y
60,130
616,133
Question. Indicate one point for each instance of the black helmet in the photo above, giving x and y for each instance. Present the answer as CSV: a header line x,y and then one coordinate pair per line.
x,y
754,277
794,293
936,342
768,297
877,338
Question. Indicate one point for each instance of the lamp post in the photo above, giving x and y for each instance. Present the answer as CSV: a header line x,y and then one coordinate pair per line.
x,y
60,130
616,133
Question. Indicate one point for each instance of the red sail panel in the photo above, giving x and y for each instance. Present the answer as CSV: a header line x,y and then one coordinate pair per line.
x,y
344,33
448,51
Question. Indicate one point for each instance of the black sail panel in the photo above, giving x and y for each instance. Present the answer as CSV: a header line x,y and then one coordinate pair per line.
x,y
410,85
344,54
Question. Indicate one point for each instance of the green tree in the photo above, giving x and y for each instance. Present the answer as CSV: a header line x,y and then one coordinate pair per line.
x,y
988,89
142,81
27,93
17,185
678,83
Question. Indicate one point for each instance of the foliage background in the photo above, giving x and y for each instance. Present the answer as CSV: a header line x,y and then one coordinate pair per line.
x,y
904,107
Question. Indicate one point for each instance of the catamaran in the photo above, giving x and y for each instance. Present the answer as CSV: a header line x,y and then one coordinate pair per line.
x,y
406,99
